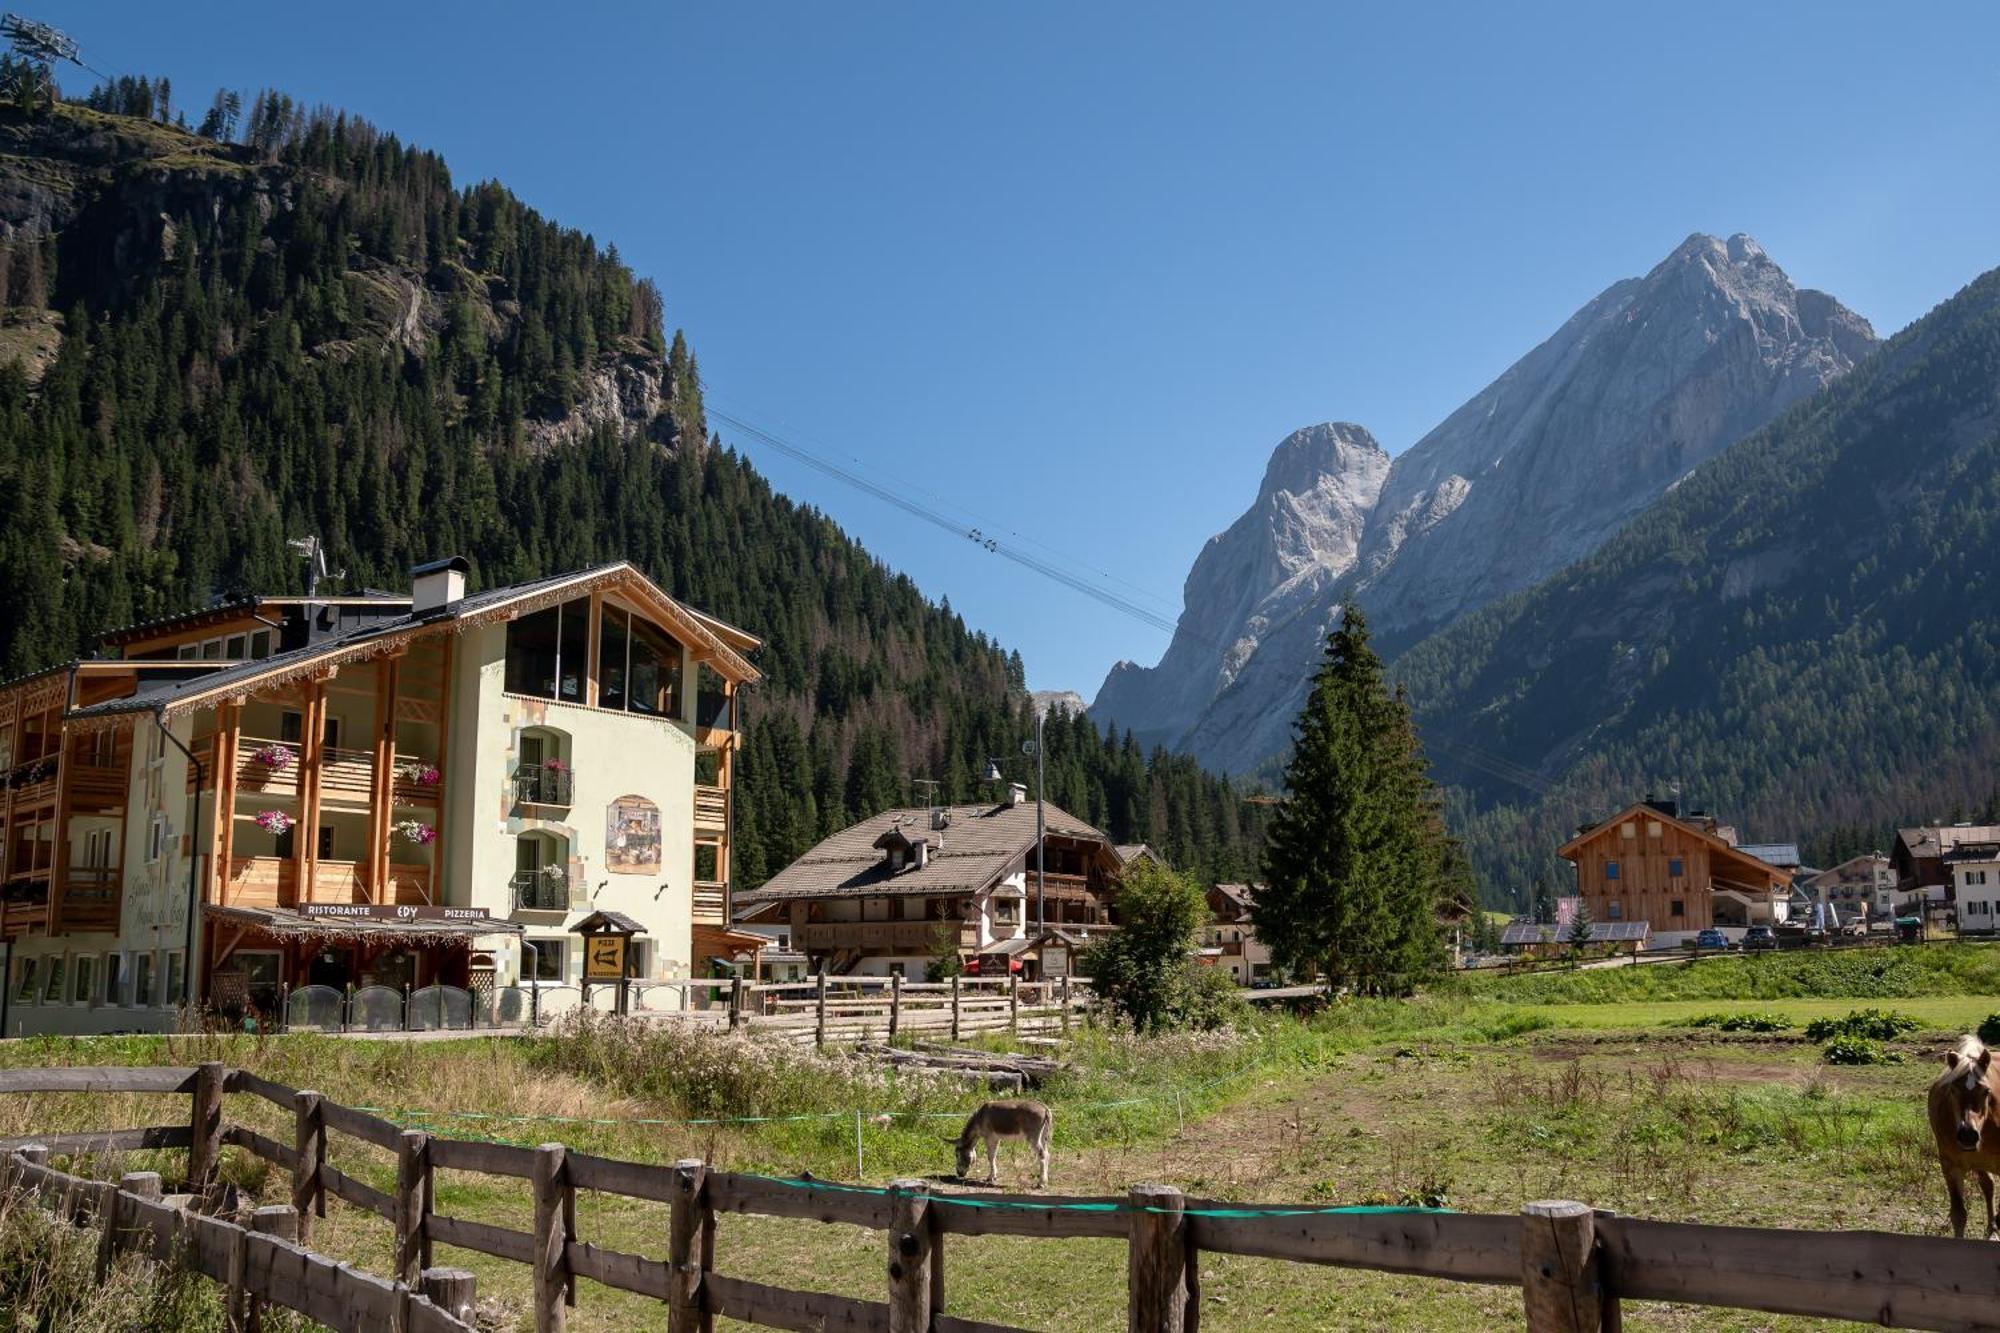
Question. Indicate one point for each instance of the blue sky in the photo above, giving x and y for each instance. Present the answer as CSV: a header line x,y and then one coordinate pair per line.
x,y
1076,268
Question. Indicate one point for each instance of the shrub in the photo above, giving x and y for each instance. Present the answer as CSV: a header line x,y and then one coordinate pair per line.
x,y
1858,1051
1146,971
1873,1024
1743,1021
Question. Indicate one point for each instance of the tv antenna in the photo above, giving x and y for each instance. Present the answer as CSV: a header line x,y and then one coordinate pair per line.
x,y
313,551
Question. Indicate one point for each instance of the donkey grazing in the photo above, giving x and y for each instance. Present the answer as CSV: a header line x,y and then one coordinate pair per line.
x,y
1028,1121
1962,1106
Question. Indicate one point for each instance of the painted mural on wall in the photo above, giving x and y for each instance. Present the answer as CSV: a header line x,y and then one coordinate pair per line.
x,y
632,837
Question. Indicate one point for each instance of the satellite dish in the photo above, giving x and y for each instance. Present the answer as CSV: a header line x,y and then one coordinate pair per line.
x,y
1028,748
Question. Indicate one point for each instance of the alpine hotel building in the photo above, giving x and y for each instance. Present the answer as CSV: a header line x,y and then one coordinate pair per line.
x,y
365,790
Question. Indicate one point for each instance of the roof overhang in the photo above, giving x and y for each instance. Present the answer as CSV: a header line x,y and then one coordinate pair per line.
x,y
389,924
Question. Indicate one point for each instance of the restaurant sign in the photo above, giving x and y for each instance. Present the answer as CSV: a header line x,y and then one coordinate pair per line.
x,y
394,912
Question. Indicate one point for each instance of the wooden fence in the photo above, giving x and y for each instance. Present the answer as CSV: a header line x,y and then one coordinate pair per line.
x,y
842,1009
1574,1266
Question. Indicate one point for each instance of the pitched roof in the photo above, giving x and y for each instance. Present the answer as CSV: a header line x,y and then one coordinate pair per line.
x,y
1128,852
369,640
1784,855
1722,847
1937,839
1243,895
979,846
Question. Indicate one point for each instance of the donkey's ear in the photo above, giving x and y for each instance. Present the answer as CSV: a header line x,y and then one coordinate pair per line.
x,y
1951,1059
1985,1058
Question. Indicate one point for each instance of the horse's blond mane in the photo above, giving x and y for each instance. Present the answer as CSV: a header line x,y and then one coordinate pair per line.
x,y
1964,1068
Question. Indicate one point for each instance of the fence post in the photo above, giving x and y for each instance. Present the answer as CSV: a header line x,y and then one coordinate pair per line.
x,y
909,1257
895,1004
1562,1284
281,1221
236,1293
954,1005
736,1001
684,1296
413,1204
309,1147
1065,1002
1014,1003
551,1241
285,1007
347,1008
819,1024
1156,1261
406,1006
452,1290
205,1147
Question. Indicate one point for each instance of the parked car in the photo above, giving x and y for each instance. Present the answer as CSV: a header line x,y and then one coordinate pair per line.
x,y
1711,939
1760,937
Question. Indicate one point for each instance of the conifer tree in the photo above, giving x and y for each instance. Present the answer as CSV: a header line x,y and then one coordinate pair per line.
x,y
1354,863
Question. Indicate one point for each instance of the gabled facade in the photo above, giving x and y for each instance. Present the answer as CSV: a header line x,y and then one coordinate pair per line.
x,y
1975,882
1232,933
1678,875
1858,885
1918,856
385,790
888,894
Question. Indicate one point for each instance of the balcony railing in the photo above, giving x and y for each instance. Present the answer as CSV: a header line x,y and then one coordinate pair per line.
x,y
538,891
711,807
90,899
711,901
544,784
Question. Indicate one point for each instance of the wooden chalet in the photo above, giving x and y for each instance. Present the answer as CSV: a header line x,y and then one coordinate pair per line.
x,y
1677,874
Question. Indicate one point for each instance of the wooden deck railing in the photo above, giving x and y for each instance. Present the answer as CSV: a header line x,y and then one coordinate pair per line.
x,y
1575,1266
711,807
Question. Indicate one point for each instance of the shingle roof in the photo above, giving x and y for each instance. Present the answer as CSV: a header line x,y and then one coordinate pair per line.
x,y
980,845
1936,840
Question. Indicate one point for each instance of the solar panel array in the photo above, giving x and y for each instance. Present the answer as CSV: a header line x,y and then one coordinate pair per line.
x,y
1601,932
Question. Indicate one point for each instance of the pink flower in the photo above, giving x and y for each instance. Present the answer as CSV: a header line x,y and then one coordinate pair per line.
x,y
273,757
274,821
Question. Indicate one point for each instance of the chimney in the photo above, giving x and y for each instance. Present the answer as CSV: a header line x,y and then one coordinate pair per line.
x,y
1017,793
438,584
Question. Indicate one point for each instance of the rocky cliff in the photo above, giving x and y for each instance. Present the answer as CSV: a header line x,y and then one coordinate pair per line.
x,y
1643,384
1301,534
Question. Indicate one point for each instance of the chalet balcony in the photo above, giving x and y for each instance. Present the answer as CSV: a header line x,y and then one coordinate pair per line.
x,y
544,784
272,881
903,937
536,891
711,903
96,788
711,807
31,783
91,897
24,908
346,777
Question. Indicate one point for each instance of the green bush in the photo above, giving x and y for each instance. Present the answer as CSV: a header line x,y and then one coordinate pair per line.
x,y
1858,1051
1743,1021
1873,1024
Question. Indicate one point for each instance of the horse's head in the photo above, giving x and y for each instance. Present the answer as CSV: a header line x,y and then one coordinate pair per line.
x,y
1970,1099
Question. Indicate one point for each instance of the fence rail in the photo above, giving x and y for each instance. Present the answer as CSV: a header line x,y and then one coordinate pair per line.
x,y
1574,1265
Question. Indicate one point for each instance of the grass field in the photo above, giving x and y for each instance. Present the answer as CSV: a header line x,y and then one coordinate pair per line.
x,y
1586,1085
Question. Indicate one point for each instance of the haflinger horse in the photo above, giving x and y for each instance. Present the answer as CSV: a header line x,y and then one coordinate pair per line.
x,y
1962,1105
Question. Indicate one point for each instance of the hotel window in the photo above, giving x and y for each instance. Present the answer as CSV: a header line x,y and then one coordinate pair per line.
x,y
52,988
1677,908
1675,868
142,981
547,652
1614,911
1611,870
260,645
1628,830
156,838
24,981
86,974
638,665
211,651
188,652
1653,828
114,978
549,961
176,965
237,648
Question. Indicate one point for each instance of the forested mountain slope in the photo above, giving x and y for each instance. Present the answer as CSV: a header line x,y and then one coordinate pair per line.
x,y
1803,635
213,343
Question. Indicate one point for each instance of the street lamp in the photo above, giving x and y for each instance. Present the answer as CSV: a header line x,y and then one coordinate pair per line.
x,y
993,774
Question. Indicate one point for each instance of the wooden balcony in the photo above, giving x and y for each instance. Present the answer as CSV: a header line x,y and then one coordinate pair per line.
x,y
711,903
711,807
346,777
23,916
32,784
271,881
90,900
904,937
95,788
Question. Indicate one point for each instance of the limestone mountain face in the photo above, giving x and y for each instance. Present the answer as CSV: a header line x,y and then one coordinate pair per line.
x,y
1643,384
1300,535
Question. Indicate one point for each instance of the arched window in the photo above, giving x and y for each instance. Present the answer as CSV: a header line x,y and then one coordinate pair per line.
x,y
541,872
545,775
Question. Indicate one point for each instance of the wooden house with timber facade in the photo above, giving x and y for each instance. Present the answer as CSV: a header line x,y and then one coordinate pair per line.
x,y
1679,874
383,789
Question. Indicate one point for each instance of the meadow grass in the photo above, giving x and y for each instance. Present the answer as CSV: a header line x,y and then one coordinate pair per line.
x,y
1464,1096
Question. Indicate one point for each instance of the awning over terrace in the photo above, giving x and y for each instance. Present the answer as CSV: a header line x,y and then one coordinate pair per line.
x,y
367,923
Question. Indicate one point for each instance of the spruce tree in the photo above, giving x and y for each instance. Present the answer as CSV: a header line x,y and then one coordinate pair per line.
x,y
1354,863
